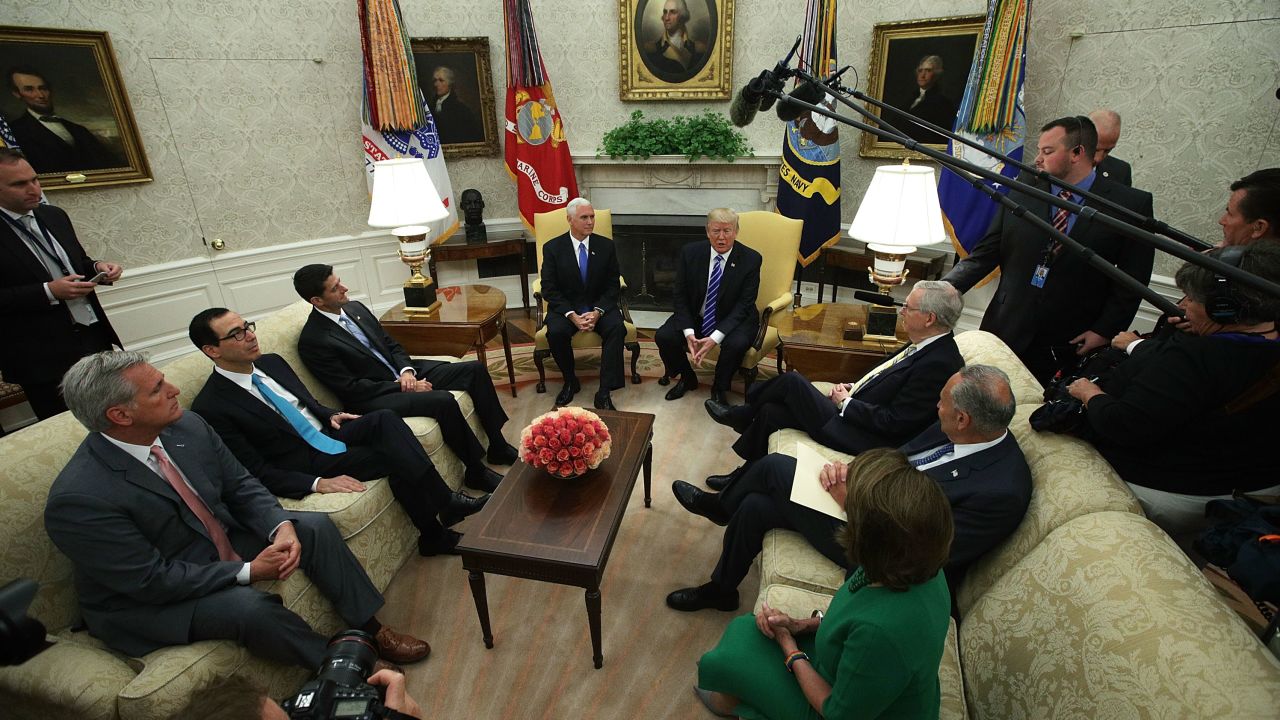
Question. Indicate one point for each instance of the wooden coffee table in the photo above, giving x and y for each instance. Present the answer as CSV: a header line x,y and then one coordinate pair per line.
x,y
561,531
813,341
469,316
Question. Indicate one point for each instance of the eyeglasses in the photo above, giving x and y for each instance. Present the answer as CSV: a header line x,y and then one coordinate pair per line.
x,y
240,333
904,308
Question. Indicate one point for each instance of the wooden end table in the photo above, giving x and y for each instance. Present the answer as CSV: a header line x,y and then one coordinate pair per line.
x,y
560,531
813,338
457,248
469,316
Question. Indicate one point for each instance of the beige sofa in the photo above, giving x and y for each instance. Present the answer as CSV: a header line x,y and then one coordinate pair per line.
x,y
1087,611
78,677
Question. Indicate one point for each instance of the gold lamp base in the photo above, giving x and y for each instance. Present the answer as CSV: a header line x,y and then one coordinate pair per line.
x,y
419,291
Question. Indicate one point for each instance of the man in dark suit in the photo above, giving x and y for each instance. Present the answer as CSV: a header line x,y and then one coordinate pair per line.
x,y
1110,167
53,143
969,452
581,284
284,437
1050,305
51,313
887,407
346,349
167,531
715,304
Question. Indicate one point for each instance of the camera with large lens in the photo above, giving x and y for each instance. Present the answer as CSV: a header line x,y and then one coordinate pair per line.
x,y
339,689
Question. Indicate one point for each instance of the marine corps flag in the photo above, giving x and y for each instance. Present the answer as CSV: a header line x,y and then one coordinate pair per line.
x,y
991,114
537,154
397,122
809,178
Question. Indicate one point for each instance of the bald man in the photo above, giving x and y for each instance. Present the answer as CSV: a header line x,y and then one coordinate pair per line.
x,y
1107,122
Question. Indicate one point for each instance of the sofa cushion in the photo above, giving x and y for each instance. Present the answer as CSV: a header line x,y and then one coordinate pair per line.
x,y
801,604
1069,479
979,347
1107,618
788,559
81,680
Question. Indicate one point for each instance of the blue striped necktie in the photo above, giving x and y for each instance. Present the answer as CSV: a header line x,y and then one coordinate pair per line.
x,y
713,296
934,456
294,417
355,330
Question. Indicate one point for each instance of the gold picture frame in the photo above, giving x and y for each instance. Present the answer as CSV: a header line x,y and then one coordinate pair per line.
x,y
898,49
468,122
65,85
652,68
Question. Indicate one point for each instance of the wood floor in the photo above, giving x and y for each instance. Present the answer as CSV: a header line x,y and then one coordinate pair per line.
x,y
540,665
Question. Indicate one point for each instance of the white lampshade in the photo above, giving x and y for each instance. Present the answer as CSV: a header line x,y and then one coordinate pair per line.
x,y
900,210
403,194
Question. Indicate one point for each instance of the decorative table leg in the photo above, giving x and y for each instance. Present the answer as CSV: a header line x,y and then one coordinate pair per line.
x,y
593,618
482,606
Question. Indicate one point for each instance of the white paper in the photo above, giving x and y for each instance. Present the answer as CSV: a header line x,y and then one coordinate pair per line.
x,y
806,490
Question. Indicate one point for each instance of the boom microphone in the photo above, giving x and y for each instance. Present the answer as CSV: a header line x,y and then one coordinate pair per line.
x,y
809,92
758,94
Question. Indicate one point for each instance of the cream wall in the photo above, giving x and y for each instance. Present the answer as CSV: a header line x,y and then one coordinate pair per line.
x,y
250,118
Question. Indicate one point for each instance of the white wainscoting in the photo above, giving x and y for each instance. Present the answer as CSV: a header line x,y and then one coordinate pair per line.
x,y
151,306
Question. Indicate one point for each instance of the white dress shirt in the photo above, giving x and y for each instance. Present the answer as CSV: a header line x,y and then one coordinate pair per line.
x,y
959,451
716,336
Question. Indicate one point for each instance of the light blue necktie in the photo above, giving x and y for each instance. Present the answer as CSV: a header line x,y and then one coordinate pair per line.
x,y
935,455
355,330
294,417
582,271
713,296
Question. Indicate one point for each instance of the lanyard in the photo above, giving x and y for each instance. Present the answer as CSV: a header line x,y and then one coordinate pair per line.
x,y
47,250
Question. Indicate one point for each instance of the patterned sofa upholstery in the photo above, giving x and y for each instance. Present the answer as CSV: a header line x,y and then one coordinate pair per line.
x,y
1086,610
78,676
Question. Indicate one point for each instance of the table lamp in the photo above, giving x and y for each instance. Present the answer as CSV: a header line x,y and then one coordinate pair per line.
x,y
899,212
405,199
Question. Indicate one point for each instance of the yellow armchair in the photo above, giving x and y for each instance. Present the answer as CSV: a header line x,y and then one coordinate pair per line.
x,y
777,239
549,225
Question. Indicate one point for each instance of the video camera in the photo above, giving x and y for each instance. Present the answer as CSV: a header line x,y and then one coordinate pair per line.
x,y
339,689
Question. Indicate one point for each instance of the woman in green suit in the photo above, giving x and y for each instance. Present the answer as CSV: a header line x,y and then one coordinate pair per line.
x,y
876,652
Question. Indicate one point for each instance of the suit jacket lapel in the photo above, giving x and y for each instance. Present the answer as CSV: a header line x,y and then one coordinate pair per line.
x,y
240,397
344,337
372,330
970,464
139,475
900,365
17,246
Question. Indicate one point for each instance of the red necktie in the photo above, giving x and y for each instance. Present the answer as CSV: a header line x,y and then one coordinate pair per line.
x,y
1060,222
197,505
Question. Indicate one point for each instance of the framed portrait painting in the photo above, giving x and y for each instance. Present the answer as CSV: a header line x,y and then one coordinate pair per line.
x,y
454,76
920,67
676,49
66,108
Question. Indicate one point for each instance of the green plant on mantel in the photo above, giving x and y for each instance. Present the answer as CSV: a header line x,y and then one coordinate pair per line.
x,y
694,136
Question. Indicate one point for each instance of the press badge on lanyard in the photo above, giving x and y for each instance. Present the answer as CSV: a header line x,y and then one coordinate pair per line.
x,y
1037,277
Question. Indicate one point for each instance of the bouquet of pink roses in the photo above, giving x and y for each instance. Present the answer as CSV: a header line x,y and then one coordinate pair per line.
x,y
565,442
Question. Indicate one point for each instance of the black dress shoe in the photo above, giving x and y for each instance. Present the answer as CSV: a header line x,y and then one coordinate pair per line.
x,y
460,506
703,597
603,402
483,478
678,390
699,503
502,453
571,387
719,412
720,482
717,395
446,544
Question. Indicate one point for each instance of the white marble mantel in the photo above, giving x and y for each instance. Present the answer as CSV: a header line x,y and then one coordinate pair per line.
x,y
672,185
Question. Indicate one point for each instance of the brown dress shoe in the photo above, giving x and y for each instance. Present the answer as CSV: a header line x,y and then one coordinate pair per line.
x,y
400,648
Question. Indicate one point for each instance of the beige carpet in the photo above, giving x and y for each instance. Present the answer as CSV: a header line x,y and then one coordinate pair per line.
x,y
540,666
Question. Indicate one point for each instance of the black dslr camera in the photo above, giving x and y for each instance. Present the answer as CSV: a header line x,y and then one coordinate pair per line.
x,y
339,689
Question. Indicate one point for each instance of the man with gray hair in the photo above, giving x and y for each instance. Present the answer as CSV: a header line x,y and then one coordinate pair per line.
x,y
167,531
455,122
885,408
969,452
1107,122
581,284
